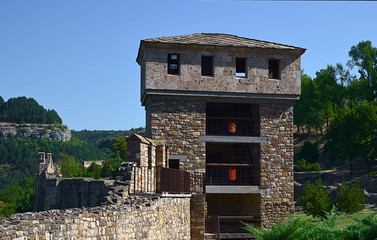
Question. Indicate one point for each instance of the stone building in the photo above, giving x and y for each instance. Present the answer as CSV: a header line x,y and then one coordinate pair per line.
x,y
224,106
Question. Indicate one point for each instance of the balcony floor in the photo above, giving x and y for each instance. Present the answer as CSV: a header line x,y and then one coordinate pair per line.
x,y
233,189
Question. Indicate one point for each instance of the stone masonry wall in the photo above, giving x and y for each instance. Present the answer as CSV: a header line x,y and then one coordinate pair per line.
x,y
147,218
180,123
276,123
198,210
155,61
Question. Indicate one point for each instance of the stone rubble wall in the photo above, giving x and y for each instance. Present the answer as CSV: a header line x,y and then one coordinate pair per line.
x,y
276,159
155,64
35,131
141,218
180,123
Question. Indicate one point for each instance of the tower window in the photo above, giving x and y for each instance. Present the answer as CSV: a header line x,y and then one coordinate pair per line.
x,y
273,69
241,67
173,64
207,66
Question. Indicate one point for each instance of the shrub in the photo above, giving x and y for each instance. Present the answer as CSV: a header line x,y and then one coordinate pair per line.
x,y
304,228
309,152
315,201
350,198
303,166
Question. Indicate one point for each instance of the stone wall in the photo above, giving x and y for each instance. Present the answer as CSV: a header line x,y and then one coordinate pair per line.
x,y
141,218
155,61
276,160
198,211
179,123
53,192
35,131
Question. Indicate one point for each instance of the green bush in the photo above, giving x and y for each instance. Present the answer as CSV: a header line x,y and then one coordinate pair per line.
x,y
314,200
303,166
309,152
350,198
329,228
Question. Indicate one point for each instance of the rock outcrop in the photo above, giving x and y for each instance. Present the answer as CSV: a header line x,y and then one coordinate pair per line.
x,y
35,131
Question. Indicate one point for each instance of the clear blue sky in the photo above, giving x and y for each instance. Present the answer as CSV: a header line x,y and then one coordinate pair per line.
x,y
78,56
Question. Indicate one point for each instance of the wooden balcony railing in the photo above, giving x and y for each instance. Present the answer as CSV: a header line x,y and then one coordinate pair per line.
x,y
244,174
174,181
146,179
219,126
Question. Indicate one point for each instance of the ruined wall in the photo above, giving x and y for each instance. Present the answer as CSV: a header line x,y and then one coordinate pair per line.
x,y
276,159
53,192
154,72
141,218
180,123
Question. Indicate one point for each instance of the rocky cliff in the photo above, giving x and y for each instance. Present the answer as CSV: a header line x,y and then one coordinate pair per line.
x,y
35,131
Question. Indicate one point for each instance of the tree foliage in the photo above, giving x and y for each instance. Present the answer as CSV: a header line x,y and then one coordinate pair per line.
x,y
17,198
26,110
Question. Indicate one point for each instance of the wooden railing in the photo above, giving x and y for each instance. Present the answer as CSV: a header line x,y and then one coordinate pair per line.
x,y
165,180
245,174
174,181
219,126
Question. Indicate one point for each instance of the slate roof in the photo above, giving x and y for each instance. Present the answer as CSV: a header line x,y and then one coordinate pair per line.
x,y
221,40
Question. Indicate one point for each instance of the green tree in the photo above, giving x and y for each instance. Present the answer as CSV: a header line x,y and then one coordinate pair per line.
x,y
354,135
364,57
70,168
315,201
94,171
309,152
119,147
350,198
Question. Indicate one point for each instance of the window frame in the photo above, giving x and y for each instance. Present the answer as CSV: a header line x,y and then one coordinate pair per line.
x,y
274,68
172,71
209,73
243,74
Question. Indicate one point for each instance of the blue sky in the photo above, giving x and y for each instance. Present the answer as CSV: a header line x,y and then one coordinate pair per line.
x,y
78,56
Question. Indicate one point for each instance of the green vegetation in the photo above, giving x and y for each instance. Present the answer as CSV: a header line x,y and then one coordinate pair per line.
x,y
26,110
345,103
315,201
309,152
350,198
18,156
17,197
331,227
70,168
303,166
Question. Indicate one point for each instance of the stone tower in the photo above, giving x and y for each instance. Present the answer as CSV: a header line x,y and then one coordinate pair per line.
x,y
224,106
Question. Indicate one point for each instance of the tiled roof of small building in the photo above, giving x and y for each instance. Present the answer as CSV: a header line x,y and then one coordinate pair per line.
x,y
221,40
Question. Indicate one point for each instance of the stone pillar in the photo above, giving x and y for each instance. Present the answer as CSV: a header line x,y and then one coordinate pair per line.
x,y
276,161
198,213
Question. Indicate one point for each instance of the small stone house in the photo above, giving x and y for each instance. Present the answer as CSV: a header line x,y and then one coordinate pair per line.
x,y
223,105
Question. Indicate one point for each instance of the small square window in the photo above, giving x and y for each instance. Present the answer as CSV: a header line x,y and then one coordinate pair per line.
x,y
173,64
207,66
273,69
241,67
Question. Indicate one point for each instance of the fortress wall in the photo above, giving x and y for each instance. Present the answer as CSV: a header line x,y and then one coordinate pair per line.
x,y
141,218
